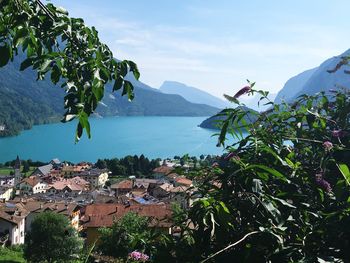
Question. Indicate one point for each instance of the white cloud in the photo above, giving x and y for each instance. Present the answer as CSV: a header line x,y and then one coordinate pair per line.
x,y
215,61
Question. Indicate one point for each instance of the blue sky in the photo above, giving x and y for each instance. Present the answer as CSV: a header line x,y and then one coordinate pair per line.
x,y
217,45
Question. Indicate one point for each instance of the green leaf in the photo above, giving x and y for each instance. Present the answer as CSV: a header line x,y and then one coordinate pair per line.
x,y
79,132
118,83
271,171
26,63
128,89
55,74
20,36
5,55
134,69
344,169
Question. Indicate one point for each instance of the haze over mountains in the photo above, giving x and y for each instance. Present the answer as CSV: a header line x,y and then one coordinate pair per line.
x,y
315,80
25,101
192,94
308,82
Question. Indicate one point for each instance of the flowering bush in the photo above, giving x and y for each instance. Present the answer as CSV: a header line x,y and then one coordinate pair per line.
x,y
284,187
136,256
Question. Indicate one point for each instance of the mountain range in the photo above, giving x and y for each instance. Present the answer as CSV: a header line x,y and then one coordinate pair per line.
x,y
192,94
308,82
25,102
316,80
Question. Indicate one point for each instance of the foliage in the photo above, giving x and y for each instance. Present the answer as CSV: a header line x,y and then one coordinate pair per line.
x,y
65,50
127,234
129,165
281,193
51,239
12,254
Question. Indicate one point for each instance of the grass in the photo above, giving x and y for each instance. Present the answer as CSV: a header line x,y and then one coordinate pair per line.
x,y
5,171
11,255
8,170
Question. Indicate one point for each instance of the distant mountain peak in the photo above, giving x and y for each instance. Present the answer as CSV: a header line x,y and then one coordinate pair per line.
x,y
192,94
316,80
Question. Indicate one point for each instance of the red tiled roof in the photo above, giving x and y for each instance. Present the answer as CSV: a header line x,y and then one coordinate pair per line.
x,y
75,184
183,181
61,208
32,180
13,213
173,175
163,169
125,184
103,215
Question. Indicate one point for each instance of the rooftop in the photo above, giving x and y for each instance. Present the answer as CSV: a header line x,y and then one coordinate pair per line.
x,y
163,169
103,215
125,184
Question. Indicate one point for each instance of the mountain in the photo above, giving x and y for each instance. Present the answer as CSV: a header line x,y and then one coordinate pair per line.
x,y
316,80
148,102
214,122
294,85
25,102
192,94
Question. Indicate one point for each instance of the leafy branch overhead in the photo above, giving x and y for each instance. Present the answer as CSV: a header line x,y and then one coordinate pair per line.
x,y
65,50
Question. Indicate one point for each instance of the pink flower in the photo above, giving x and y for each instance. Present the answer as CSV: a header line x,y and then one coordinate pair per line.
x,y
338,133
242,91
322,183
327,145
138,256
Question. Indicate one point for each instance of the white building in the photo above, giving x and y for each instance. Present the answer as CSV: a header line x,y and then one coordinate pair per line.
x,y
12,223
32,185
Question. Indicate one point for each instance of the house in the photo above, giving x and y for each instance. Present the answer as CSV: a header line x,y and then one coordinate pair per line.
x,y
32,185
147,185
7,180
69,171
163,190
181,196
42,171
123,187
12,223
183,181
168,193
104,215
96,177
56,163
76,184
172,177
162,171
70,210
6,192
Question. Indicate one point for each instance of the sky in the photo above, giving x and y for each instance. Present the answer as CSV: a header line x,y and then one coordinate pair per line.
x,y
217,45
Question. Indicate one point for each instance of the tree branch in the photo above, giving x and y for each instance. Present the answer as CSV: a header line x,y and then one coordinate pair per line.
x,y
230,246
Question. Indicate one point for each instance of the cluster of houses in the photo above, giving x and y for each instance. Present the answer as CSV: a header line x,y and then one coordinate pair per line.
x,y
80,193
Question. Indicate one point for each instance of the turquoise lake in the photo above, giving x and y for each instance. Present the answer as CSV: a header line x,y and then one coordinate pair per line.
x,y
113,137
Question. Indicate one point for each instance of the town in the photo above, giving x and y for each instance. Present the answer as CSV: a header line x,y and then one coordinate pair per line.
x,y
84,194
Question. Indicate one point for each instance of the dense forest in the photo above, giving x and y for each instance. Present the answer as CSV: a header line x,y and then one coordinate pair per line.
x,y
129,165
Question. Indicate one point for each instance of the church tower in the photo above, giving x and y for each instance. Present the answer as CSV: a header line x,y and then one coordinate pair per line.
x,y
17,167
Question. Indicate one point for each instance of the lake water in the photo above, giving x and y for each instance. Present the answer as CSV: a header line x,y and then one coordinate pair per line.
x,y
113,137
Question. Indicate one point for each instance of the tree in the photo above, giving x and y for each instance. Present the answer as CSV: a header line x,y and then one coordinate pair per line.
x,y
25,166
51,239
129,233
67,51
101,164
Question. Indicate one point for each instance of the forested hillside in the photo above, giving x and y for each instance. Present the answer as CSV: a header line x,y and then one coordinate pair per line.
x,y
25,101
